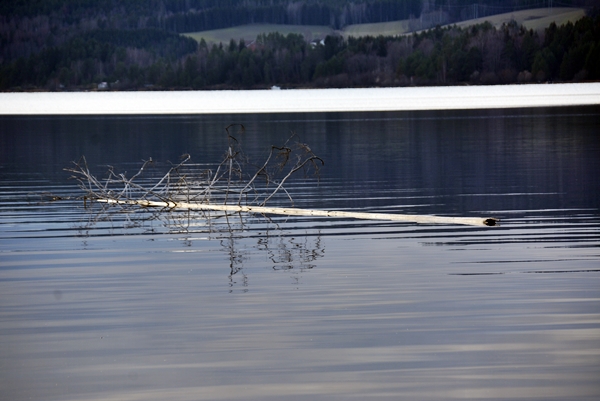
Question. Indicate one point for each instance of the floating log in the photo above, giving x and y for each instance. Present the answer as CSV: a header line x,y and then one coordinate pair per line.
x,y
425,219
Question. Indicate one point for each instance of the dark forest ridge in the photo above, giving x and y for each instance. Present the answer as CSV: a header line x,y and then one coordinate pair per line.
x,y
181,15
83,45
29,26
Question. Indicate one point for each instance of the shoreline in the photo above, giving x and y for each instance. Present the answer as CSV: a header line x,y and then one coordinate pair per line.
x,y
299,100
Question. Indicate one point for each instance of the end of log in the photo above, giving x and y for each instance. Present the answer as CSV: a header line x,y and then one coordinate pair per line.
x,y
491,221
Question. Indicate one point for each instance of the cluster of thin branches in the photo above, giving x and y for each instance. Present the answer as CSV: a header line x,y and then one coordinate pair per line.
x,y
236,180
262,182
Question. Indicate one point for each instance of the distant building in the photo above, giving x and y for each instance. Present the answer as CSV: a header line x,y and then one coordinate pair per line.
x,y
103,86
317,42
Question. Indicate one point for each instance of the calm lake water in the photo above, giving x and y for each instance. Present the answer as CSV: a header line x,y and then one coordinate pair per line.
x,y
301,308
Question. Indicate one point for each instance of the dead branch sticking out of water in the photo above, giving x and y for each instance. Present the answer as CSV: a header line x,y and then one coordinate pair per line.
x,y
229,188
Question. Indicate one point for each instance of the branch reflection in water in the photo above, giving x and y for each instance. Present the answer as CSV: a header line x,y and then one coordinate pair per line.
x,y
285,250
227,183
240,236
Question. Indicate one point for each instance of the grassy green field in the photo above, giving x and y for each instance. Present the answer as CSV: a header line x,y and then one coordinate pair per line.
x,y
382,28
536,19
250,32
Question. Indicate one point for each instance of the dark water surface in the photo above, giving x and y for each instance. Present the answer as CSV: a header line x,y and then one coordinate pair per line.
x,y
302,308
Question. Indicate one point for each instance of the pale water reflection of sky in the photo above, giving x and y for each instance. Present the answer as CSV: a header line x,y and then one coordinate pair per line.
x,y
302,100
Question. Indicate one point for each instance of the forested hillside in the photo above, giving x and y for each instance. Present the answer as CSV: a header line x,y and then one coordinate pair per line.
x,y
133,44
29,26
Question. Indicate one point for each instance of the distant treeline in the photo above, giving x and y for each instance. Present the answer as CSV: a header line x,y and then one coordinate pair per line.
x,y
30,26
99,55
336,14
481,54
198,15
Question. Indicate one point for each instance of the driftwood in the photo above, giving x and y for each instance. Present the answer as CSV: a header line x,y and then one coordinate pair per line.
x,y
229,188
424,219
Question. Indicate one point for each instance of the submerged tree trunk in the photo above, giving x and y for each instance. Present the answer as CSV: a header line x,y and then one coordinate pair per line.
x,y
228,189
289,211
